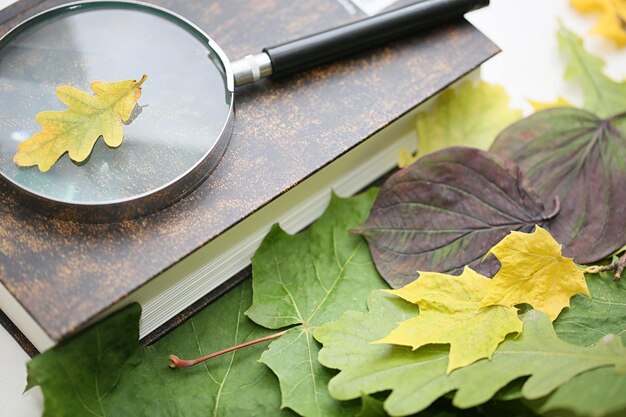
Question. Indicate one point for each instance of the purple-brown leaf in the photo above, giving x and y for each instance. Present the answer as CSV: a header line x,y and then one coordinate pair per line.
x,y
580,158
446,211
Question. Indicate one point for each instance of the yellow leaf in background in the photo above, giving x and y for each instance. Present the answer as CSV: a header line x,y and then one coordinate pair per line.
x,y
612,21
542,105
405,158
534,272
77,129
470,114
450,313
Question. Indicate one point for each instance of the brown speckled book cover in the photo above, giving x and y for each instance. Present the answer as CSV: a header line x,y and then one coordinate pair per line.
x,y
65,273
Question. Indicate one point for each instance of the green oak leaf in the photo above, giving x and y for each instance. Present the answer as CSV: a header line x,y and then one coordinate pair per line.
x,y
371,407
104,372
417,378
587,320
602,95
496,408
303,281
576,156
469,114
374,407
599,392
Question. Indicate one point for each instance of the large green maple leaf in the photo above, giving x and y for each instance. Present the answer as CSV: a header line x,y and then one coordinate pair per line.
x,y
104,372
417,378
303,281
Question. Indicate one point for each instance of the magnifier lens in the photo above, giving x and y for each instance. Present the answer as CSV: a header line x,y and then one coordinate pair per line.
x,y
181,114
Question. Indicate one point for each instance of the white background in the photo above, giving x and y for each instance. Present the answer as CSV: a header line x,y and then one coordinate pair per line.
x,y
530,66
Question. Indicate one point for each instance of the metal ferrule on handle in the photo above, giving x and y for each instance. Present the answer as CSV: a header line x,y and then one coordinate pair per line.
x,y
251,68
310,51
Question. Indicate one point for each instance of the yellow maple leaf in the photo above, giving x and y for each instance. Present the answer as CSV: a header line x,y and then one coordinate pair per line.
x,y
469,114
541,105
612,21
534,272
450,313
77,129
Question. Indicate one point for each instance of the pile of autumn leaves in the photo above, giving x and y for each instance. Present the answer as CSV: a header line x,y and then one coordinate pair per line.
x,y
473,315
444,342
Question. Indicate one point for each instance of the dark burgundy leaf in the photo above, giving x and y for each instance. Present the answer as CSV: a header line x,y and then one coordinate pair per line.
x,y
446,211
575,155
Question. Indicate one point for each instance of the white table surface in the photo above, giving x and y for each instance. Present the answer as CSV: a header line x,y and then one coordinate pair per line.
x,y
530,66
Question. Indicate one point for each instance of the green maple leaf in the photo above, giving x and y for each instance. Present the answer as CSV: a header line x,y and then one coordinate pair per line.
x,y
590,319
104,372
602,95
417,378
76,374
470,114
303,281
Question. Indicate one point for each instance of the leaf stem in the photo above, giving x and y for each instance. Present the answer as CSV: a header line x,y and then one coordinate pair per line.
x,y
618,266
176,362
555,210
142,80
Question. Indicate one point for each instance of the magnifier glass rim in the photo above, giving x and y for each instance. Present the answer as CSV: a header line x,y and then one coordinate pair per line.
x,y
166,188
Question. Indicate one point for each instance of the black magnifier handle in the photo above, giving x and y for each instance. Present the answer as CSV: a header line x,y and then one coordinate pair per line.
x,y
310,51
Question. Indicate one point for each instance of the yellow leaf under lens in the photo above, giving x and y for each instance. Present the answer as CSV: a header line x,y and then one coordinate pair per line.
x,y
77,129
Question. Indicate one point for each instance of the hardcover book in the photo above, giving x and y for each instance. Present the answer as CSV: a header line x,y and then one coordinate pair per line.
x,y
337,127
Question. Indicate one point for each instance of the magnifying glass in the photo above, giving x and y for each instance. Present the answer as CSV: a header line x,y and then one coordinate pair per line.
x,y
182,126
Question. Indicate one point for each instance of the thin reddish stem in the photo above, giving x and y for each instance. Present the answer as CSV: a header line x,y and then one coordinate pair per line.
x,y
176,362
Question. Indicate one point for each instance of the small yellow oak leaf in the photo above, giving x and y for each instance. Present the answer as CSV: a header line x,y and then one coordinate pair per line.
x,y
77,129
534,272
541,105
450,313
612,21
